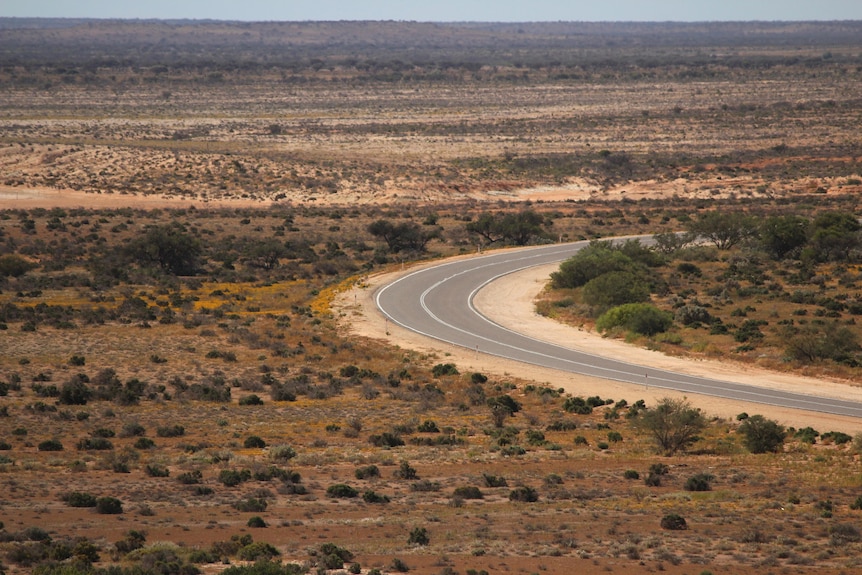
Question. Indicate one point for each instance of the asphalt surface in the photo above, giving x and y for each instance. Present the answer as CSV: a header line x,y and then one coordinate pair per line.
x,y
438,302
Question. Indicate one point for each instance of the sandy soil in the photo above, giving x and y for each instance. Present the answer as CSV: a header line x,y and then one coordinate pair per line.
x,y
362,317
29,198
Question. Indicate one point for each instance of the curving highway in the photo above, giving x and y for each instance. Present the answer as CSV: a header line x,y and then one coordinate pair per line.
x,y
438,302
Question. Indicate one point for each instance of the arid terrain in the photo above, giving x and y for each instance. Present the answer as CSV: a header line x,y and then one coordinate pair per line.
x,y
194,215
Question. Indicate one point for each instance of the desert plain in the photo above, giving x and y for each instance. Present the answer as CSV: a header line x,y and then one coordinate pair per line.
x,y
239,398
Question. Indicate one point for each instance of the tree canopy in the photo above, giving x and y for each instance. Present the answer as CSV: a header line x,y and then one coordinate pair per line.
x,y
519,228
724,229
673,423
762,435
169,247
406,236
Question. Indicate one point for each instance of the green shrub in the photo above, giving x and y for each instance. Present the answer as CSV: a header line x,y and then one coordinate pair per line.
x,y
494,480
50,445
94,444
836,437
144,443
282,452
371,497
386,439
762,435
253,442
367,472
256,522
171,431
419,536
190,477
79,499
614,289
250,400
428,427
423,485
640,318
699,482
444,369
673,522
132,429
154,470
577,405
399,566
109,506
256,551
406,471
251,505
341,491
233,477
523,493
468,492
615,436
631,474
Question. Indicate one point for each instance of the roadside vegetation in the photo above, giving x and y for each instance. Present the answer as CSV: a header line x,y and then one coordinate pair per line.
x,y
779,288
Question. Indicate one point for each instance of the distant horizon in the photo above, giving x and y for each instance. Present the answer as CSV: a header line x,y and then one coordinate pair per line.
x,y
444,11
381,20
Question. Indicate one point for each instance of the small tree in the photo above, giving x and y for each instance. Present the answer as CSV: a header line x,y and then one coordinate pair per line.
x,y
762,435
673,423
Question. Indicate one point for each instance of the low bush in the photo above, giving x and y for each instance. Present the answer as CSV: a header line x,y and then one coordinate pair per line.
x,y
341,491
367,472
171,431
250,400
640,318
50,445
144,443
132,429
444,369
372,497
256,551
79,499
190,477
233,477
494,480
419,536
524,493
155,470
252,505
406,471
699,482
468,492
109,506
386,439
256,522
673,522
254,442
282,452
94,444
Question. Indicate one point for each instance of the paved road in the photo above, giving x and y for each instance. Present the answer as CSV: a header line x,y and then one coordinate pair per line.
x,y
438,302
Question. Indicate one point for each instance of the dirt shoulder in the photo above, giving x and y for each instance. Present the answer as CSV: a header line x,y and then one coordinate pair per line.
x,y
361,317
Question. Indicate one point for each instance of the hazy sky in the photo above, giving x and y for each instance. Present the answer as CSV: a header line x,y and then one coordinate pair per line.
x,y
444,10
